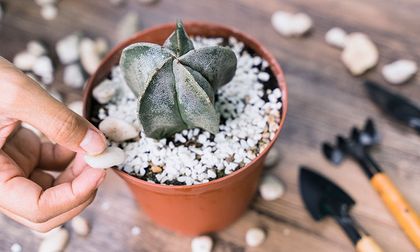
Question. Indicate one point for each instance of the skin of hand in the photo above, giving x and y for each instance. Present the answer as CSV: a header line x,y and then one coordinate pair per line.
x,y
28,194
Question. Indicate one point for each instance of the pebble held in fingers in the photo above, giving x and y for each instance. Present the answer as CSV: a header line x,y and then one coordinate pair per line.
x,y
112,156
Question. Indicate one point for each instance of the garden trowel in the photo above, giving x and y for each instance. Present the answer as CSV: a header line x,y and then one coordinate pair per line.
x,y
323,198
357,146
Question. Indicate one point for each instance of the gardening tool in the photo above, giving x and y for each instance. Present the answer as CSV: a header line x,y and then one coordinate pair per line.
x,y
396,106
323,198
357,146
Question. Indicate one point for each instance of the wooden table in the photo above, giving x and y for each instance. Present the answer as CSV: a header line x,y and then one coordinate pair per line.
x,y
324,100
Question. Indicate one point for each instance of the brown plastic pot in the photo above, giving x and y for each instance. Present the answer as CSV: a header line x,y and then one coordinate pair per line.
x,y
202,208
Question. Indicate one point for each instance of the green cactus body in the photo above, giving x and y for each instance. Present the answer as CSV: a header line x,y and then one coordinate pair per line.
x,y
175,84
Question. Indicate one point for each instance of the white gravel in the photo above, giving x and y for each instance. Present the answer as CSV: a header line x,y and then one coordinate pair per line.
x,y
195,156
399,71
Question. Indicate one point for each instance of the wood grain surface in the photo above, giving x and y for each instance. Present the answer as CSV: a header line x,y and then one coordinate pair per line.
x,y
324,100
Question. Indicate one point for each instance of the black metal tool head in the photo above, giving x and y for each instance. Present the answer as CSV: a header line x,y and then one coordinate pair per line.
x,y
355,145
321,196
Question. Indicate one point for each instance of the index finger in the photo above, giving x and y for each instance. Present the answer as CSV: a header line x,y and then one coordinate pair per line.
x,y
27,199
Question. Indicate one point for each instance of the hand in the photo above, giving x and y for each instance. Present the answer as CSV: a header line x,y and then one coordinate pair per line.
x,y
28,194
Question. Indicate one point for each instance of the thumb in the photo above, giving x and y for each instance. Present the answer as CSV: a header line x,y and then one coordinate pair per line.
x,y
29,102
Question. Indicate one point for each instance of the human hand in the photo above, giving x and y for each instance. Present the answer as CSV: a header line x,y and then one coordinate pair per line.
x,y
28,194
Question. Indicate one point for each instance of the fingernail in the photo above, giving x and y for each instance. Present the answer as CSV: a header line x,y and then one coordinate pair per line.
x,y
101,180
93,142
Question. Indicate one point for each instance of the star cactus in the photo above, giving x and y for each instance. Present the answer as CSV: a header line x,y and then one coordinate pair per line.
x,y
175,84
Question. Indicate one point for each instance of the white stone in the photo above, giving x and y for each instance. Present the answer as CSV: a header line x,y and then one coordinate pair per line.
x,y
36,48
255,237
112,156
271,188
76,107
127,26
288,24
16,247
104,92
24,61
68,48
49,11
73,76
201,244
135,231
336,37
55,242
118,130
360,53
32,128
43,67
89,56
80,226
399,71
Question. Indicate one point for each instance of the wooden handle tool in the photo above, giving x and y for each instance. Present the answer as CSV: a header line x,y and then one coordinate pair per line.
x,y
405,215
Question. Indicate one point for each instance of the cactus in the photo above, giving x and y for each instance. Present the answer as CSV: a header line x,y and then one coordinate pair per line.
x,y
175,84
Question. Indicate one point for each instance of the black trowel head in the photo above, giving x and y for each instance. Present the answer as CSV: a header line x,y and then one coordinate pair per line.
x,y
321,196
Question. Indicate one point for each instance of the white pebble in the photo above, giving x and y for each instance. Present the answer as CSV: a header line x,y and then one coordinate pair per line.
x,y
16,247
201,244
76,107
271,188
24,61
255,237
49,11
135,231
104,92
73,76
55,242
89,56
359,54
68,48
399,71
263,76
118,130
36,48
288,24
127,26
43,67
80,226
336,37
112,156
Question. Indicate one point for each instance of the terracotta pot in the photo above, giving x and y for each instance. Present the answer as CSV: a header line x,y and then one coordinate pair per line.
x,y
203,208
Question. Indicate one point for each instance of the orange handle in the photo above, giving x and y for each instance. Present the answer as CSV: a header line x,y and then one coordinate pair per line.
x,y
367,244
405,215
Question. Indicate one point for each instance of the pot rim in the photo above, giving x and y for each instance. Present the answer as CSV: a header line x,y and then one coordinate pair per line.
x,y
264,53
